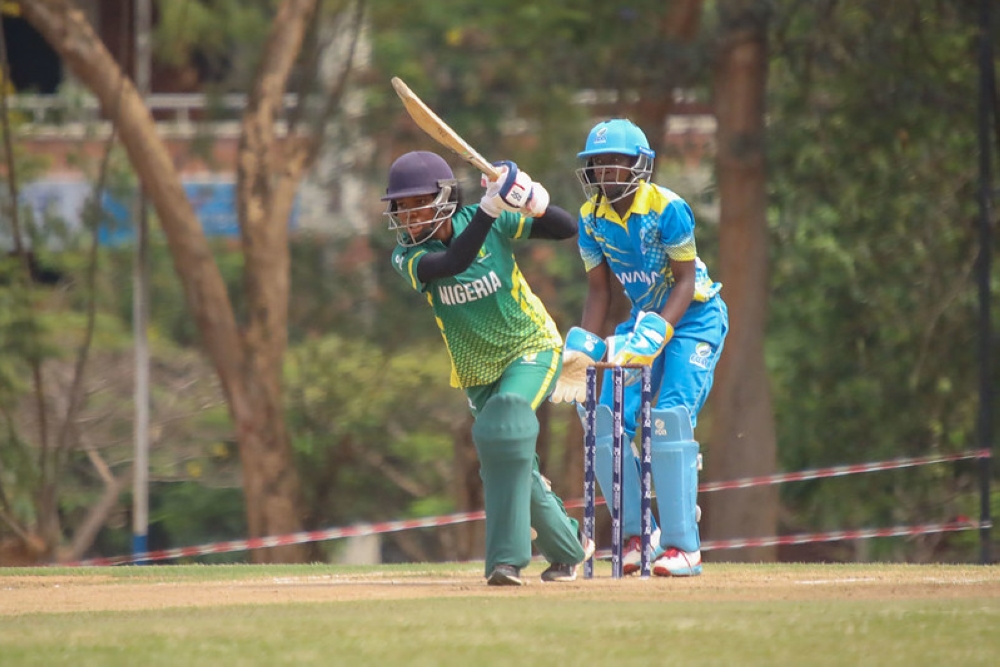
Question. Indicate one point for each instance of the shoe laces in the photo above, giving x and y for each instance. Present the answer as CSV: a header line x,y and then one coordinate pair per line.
x,y
672,552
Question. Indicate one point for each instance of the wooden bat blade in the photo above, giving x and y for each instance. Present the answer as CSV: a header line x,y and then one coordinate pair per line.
x,y
437,129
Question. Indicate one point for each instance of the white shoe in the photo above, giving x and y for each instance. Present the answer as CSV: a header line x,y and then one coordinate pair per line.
x,y
677,563
589,547
632,552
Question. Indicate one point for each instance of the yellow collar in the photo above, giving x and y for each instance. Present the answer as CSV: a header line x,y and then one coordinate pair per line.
x,y
640,206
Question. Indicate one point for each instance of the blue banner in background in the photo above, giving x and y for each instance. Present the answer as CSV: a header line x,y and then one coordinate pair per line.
x,y
215,204
213,200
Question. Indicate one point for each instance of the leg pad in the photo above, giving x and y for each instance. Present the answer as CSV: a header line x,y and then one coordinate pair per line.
x,y
675,478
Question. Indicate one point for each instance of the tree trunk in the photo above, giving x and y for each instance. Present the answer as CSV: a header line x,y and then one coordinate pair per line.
x,y
268,173
249,367
468,492
742,434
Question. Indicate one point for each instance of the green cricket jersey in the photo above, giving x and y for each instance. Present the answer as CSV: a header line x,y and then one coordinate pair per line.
x,y
487,314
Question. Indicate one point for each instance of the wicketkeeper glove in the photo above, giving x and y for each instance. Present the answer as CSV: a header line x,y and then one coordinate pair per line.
x,y
510,191
648,338
583,349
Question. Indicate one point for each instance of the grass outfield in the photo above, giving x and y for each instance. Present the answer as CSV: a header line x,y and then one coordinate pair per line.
x,y
444,614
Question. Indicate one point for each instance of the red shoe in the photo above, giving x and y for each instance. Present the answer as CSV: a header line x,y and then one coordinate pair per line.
x,y
631,555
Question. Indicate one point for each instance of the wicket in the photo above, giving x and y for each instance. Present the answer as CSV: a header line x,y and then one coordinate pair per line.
x,y
617,466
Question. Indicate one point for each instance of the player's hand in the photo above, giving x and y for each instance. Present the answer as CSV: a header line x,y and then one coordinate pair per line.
x,y
648,338
509,191
538,202
583,349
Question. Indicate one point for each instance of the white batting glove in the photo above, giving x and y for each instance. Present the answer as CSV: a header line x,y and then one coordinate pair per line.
x,y
492,204
537,200
538,203
508,192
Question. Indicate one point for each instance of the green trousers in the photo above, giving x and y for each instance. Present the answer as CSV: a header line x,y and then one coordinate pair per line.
x,y
517,496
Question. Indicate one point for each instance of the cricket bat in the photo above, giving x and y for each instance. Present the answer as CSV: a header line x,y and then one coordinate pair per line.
x,y
437,129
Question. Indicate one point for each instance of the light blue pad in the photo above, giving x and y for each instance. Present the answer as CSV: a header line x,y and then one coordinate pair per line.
x,y
675,478
631,518
504,434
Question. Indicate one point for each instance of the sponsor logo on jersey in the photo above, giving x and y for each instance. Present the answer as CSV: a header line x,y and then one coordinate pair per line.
x,y
456,295
702,355
645,277
659,427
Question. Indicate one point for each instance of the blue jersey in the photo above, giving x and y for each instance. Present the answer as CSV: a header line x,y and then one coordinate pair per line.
x,y
658,227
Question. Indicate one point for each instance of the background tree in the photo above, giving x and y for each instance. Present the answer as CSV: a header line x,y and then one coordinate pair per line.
x,y
742,441
247,356
33,480
863,233
872,110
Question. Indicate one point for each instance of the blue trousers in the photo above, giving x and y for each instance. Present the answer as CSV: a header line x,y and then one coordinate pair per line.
x,y
682,376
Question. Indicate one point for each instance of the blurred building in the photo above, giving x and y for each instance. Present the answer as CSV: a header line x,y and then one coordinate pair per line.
x,y
58,119
55,117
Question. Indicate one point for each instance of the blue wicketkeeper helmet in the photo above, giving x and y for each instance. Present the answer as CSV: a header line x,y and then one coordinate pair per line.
x,y
618,136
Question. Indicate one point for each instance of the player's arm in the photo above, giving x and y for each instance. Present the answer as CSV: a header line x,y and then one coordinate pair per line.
x,y
653,330
555,223
677,230
682,292
460,253
530,199
598,302
505,193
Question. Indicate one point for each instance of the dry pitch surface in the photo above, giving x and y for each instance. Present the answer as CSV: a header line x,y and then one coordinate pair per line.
x,y
730,582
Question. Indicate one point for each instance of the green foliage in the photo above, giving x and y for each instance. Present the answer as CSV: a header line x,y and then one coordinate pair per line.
x,y
19,336
48,325
334,291
19,473
222,37
372,429
26,339
506,75
189,512
873,329
170,318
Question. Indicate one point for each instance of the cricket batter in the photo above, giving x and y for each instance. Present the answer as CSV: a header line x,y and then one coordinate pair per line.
x,y
506,351
643,235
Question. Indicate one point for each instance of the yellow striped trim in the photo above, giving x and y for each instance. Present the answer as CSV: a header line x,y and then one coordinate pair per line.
x,y
411,269
549,377
520,226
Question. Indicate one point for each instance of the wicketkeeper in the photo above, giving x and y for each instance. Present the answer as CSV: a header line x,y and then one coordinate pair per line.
x,y
506,351
642,235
